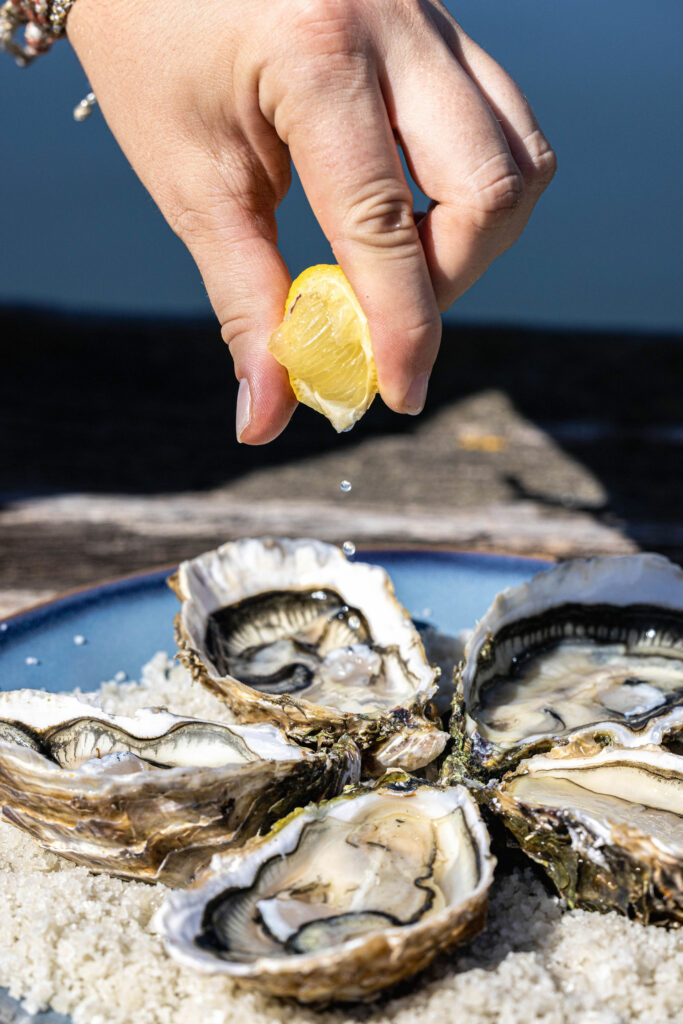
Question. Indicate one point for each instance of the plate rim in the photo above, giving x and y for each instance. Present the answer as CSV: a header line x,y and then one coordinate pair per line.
x,y
74,595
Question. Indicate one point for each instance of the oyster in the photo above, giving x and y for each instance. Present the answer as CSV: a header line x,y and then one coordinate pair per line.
x,y
292,632
594,646
150,796
607,826
342,899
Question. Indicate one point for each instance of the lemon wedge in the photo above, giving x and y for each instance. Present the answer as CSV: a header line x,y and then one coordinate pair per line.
x,y
324,344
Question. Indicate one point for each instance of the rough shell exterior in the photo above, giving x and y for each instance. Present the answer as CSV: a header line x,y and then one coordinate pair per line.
x,y
406,736
358,969
162,824
597,863
646,579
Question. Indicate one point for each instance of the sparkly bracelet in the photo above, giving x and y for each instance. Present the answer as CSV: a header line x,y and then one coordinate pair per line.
x,y
43,21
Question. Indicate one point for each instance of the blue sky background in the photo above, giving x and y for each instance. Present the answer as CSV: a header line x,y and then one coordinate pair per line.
x,y
603,248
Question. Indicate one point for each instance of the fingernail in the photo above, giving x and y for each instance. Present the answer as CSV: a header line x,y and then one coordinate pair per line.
x,y
243,412
414,400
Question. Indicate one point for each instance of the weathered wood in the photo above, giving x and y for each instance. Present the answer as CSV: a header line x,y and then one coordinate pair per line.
x,y
118,452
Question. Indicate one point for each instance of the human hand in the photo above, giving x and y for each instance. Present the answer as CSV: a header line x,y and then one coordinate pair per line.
x,y
210,99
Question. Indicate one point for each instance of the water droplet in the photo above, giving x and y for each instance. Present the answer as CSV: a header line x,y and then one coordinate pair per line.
x,y
349,548
79,640
426,613
319,595
346,429
345,485
32,661
353,622
3,627
651,634
120,676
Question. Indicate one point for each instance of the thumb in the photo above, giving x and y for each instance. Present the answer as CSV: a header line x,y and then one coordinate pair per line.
x,y
247,282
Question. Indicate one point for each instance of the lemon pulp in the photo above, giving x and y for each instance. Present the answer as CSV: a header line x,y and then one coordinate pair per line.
x,y
324,344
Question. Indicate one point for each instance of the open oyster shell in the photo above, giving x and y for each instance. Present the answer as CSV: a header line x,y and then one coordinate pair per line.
x,y
342,899
150,796
607,826
591,646
292,632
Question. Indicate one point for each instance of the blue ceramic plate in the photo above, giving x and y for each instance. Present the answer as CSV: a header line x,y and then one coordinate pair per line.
x,y
87,637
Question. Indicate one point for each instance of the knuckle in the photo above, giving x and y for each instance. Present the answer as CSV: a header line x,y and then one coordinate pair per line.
x,y
201,219
423,336
234,325
223,221
381,217
496,190
543,160
325,28
187,222
329,63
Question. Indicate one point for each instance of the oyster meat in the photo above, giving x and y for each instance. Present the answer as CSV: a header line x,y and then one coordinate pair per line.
x,y
606,825
153,795
292,632
593,645
342,899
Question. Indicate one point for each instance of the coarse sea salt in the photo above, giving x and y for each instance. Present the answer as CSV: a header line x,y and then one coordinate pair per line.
x,y
84,943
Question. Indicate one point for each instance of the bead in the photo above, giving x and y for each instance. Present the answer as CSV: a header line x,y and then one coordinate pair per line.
x,y
83,109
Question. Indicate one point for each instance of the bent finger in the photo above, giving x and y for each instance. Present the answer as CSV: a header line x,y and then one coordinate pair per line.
x,y
529,146
460,157
342,144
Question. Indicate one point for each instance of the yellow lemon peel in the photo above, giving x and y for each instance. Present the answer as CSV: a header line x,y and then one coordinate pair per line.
x,y
324,344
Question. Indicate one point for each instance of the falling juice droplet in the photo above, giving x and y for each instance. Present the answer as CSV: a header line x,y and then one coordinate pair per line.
x,y
3,627
345,486
79,640
349,548
32,661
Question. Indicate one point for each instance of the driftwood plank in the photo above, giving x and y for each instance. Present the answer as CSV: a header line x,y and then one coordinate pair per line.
x,y
118,452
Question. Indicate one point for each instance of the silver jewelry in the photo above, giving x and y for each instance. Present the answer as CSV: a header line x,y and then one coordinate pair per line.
x,y
43,22
83,110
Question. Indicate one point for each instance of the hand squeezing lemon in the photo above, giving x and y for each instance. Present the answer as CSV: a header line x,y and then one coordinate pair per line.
x,y
324,344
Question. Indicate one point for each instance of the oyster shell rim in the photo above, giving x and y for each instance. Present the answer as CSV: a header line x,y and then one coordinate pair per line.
x,y
299,718
620,867
294,975
548,587
106,823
